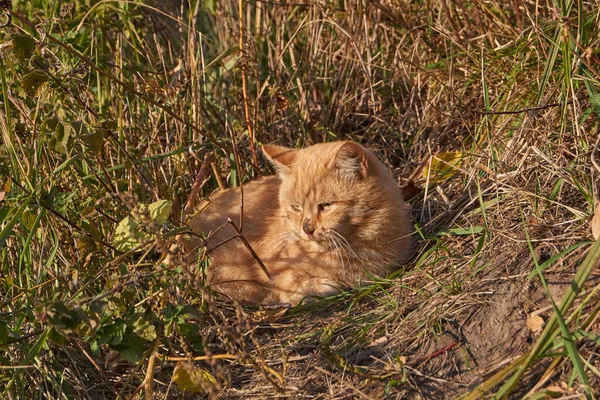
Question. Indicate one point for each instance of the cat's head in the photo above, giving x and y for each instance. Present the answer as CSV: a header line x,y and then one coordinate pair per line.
x,y
327,190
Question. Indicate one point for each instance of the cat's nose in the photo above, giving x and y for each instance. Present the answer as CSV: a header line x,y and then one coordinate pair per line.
x,y
308,226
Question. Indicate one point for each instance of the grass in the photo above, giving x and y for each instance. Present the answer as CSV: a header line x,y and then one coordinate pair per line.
x,y
486,112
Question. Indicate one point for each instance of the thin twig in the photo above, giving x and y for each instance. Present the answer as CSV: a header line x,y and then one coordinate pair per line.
x,y
434,354
595,149
244,84
201,179
250,249
200,358
236,157
523,110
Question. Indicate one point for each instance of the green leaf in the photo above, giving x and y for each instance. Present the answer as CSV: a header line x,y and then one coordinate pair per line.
x,y
23,47
95,140
4,333
144,328
128,235
7,230
37,347
28,220
473,230
111,334
132,347
555,258
95,347
33,81
211,6
160,210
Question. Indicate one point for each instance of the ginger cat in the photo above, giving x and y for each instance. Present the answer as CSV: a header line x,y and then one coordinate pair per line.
x,y
332,217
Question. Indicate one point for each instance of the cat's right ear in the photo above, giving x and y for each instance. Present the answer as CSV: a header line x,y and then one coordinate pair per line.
x,y
281,157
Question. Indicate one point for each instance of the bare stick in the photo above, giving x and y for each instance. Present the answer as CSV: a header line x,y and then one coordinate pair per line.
x,y
244,84
250,249
217,175
595,149
236,158
201,179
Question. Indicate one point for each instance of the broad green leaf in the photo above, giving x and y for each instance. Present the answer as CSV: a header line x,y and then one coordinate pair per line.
x,y
211,6
131,347
95,140
23,46
28,219
111,334
129,234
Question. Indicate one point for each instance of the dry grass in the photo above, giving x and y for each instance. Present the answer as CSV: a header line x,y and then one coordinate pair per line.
x,y
110,105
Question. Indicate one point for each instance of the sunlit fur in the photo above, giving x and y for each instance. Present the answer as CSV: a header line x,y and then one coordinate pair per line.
x,y
331,218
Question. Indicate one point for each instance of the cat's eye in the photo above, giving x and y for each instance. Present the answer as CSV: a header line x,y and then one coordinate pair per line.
x,y
325,206
296,207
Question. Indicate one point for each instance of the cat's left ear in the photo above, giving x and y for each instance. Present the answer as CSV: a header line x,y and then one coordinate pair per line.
x,y
281,157
351,160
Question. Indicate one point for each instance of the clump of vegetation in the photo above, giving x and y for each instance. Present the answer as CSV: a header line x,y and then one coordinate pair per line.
x,y
111,112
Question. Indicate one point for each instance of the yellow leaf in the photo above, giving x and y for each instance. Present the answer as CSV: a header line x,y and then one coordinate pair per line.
x,y
534,323
191,378
128,235
442,166
160,210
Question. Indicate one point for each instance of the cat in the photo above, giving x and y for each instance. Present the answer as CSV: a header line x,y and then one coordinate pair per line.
x,y
331,218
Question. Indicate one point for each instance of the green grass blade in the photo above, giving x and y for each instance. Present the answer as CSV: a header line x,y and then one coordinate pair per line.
x,y
7,230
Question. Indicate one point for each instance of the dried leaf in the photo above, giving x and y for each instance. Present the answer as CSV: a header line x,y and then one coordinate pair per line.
x,y
596,219
191,378
32,82
442,166
534,323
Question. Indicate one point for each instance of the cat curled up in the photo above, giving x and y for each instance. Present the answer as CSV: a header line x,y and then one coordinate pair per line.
x,y
331,218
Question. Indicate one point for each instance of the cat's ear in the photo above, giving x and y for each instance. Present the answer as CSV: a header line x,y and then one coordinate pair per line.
x,y
281,157
351,161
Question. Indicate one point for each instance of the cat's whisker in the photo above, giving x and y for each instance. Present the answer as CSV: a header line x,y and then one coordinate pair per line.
x,y
336,250
339,249
342,251
280,240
